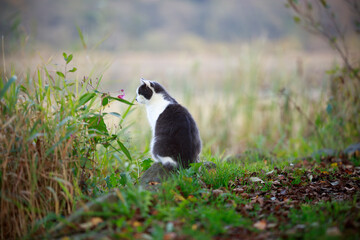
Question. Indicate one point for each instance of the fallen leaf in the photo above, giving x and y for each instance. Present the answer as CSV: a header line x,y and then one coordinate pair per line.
x,y
154,183
281,177
194,227
177,196
334,164
333,231
191,198
92,223
335,183
217,192
256,179
310,176
136,224
276,183
238,190
261,225
169,236
245,195
271,225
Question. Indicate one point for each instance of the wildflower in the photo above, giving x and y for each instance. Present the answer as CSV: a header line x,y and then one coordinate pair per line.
x,y
122,95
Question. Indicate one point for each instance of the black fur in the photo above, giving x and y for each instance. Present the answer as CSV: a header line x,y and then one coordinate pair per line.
x,y
145,91
177,136
159,89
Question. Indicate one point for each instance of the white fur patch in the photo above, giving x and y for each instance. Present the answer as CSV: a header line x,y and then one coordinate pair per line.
x,y
154,107
165,160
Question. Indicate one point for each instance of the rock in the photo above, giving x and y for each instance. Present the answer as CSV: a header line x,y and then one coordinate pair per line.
x,y
326,152
353,150
156,174
152,178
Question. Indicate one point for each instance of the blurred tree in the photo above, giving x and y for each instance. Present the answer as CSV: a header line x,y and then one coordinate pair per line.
x,y
320,17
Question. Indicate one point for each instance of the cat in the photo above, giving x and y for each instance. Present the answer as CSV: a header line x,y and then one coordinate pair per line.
x,y
175,136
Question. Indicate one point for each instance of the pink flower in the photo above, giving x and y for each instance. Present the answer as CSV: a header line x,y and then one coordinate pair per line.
x,y
122,95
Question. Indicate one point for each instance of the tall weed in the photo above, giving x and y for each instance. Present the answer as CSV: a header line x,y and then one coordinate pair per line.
x,y
50,129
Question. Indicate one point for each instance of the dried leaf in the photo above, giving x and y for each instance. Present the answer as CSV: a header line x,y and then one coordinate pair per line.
x,y
334,165
154,183
178,197
335,183
333,231
92,223
136,224
310,176
238,190
217,192
261,225
256,179
194,227
169,236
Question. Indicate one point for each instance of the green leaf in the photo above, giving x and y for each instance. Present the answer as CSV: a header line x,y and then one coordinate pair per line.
x,y
60,74
123,178
121,100
105,101
69,58
324,3
124,149
296,19
73,69
115,114
146,164
96,124
65,56
7,85
85,98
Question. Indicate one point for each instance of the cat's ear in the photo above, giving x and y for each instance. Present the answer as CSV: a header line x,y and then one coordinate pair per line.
x,y
146,82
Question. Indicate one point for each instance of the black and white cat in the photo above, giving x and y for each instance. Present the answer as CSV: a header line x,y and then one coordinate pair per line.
x,y
176,138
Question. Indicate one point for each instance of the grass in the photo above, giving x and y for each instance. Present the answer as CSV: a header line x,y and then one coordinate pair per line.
x,y
190,206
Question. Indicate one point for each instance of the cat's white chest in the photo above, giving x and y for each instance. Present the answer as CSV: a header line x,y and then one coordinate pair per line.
x,y
154,109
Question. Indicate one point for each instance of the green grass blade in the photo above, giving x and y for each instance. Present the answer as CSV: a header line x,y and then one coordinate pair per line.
x,y
124,149
7,85
81,37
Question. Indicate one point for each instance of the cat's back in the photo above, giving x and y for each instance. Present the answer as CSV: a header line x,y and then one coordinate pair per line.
x,y
175,118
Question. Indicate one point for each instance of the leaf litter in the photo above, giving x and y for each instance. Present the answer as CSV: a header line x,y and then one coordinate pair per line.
x,y
254,196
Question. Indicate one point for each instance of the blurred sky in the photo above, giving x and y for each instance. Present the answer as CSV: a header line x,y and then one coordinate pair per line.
x,y
145,24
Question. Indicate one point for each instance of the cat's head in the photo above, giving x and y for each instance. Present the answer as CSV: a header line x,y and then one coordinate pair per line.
x,y
150,90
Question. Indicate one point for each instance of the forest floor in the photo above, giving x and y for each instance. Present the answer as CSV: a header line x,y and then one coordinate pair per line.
x,y
252,198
